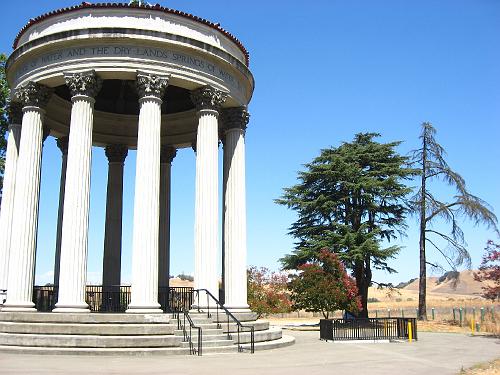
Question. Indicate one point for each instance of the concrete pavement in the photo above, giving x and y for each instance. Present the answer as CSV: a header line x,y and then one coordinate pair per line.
x,y
434,353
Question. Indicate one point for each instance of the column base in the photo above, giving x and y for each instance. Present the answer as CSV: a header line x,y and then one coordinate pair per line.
x,y
243,314
19,307
141,309
238,309
76,308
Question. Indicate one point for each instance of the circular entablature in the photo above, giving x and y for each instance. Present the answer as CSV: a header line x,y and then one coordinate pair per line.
x,y
117,41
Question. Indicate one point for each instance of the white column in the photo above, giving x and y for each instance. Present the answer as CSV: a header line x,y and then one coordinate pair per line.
x,y
74,241
62,144
144,298
9,183
235,266
167,155
24,227
111,267
208,102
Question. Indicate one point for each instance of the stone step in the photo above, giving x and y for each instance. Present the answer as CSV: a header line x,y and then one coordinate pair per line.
x,y
179,332
245,337
196,321
275,344
113,329
144,352
84,318
210,337
258,325
90,341
209,344
265,345
139,352
219,350
241,316
259,336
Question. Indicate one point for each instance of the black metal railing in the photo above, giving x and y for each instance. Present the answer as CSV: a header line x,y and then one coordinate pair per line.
x,y
181,313
114,298
368,329
45,298
174,299
217,307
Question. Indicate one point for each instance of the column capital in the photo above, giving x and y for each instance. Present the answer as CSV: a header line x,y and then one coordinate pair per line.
x,y
167,154
207,97
62,144
34,94
149,84
235,118
15,113
116,153
83,83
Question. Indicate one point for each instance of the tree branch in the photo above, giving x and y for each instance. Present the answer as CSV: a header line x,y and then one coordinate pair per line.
x,y
437,212
446,257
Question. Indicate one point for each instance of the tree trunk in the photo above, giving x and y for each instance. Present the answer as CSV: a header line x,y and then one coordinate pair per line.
x,y
360,274
422,282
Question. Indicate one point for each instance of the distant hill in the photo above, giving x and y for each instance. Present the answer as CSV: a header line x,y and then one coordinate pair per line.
x,y
175,281
462,283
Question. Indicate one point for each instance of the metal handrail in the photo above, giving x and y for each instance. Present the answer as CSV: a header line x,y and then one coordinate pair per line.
x,y
239,325
181,324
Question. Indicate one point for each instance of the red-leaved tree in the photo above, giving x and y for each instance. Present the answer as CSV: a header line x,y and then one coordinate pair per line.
x,y
489,270
324,286
267,292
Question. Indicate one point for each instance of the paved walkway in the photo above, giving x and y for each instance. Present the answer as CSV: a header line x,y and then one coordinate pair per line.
x,y
434,353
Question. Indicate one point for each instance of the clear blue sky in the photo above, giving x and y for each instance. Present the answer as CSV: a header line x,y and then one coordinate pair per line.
x,y
324,71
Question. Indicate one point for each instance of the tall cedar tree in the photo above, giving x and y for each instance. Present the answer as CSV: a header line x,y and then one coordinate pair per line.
x,y
4,94
324,286
432,165
349,200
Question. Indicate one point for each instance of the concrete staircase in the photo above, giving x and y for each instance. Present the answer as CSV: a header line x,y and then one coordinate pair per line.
x,y
128,334
220,337
112,334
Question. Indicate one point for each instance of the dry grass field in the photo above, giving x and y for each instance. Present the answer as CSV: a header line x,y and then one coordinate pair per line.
x,y
442,297
491,368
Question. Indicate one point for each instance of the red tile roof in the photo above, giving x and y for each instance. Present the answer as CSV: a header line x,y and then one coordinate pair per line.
x,y
158,7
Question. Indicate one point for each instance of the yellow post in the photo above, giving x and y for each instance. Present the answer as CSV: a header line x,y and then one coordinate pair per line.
x,y
385,328
472,325
410,332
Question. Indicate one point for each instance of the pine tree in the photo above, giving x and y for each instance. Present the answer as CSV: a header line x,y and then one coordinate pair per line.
x,y
430,159
349,200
